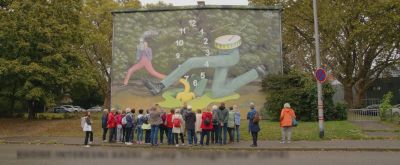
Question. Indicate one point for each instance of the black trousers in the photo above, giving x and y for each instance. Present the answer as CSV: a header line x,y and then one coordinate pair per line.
x,y
111,135
176,138
147,136
104,133
88,134
255,136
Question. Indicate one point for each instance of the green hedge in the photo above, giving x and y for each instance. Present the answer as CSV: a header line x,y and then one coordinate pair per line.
x,y
300,91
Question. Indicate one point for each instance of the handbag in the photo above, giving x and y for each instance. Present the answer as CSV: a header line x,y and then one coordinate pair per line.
x,y
294,122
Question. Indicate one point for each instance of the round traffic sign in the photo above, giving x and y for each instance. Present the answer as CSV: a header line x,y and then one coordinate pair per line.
x,y
320,75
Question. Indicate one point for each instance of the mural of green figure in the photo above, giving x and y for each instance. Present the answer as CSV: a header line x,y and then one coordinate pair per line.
x,y
229,55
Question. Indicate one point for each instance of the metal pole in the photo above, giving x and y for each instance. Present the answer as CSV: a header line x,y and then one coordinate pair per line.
x,y
319,85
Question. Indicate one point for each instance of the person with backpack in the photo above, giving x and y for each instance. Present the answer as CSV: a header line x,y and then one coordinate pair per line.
x,y
163,126
223,123
111,125
177,130
124,124
286,122
155,121
170,126
190,120
254,118
237,122
206,126
146,127
128,121
198,124
231,124
86,124
215,130
104,118
139,126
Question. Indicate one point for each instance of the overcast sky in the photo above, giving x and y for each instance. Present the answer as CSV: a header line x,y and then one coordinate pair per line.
x,y
194,2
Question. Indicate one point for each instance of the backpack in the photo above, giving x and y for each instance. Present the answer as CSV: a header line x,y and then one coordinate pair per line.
x,y
145,120
177,122
256,118
207,121
124,120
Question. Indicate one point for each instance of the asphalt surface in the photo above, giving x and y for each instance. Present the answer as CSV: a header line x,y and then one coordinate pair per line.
x,y
43,154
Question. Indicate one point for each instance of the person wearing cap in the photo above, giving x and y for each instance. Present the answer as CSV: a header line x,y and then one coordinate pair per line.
x,y
287,115
104,118
190,121
177,129
254,127
129,117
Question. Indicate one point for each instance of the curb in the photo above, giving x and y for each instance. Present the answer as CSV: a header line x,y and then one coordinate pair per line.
x,y
220,148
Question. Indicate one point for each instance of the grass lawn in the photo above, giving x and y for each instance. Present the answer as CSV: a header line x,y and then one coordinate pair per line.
x,y
334,130
269,130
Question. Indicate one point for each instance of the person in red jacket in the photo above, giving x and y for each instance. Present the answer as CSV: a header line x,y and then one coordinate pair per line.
x,y
169,126
206,126
111,124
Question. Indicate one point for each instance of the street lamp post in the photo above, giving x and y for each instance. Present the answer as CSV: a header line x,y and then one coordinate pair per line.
x,y
319,84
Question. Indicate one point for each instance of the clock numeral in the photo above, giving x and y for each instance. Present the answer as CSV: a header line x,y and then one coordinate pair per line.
x,y
202,31
186,77
205,41
207,52
207,64
195,83
182,30
179,42
203,75
192,23
178,55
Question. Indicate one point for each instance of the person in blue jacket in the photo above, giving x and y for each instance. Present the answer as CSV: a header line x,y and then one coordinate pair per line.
x,y
104,119
253,117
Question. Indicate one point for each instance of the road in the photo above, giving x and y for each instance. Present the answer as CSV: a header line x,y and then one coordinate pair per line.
x,y
15,154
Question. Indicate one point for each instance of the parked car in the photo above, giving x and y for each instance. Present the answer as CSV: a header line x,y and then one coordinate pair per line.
x,y
95,109
80,109
396,110
59,110
70,108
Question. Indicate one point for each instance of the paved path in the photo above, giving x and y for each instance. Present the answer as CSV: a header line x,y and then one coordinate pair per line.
x,y
377,129
343,145
22,154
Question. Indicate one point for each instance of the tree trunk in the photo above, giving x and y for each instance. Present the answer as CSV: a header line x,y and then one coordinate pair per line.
x,y
31,110
359,95
348,95
107,101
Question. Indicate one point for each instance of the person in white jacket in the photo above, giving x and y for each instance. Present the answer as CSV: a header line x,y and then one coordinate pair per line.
x,y
177,129
198,123
86,124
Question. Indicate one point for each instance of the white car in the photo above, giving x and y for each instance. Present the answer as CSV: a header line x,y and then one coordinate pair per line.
x,y
396,110
70,108
95,109
80,109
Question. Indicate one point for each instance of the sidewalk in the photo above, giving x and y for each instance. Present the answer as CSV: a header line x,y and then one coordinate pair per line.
x,y
336,145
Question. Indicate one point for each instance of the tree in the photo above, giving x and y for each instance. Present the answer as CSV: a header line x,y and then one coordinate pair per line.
x,y
359,39
97,39
38,54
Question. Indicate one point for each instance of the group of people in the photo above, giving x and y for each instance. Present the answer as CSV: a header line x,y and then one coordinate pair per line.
x,y
216,125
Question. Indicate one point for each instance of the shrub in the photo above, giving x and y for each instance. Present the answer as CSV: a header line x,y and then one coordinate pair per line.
x,y
385,105
338,112
300,91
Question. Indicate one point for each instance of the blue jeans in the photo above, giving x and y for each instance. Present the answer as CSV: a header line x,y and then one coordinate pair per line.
x,y
205,133
154,134
139,133
237,131
192,136
225,130
170,136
